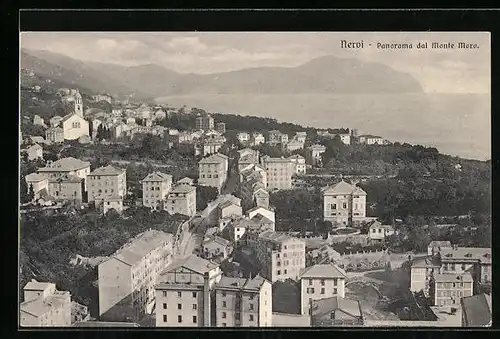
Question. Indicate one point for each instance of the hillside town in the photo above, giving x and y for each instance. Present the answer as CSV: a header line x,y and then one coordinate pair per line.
x,y
212,244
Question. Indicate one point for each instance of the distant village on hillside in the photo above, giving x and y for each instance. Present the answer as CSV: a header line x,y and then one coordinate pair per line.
x,y
141,215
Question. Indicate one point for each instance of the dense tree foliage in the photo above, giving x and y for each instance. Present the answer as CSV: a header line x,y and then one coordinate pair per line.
x,y
205,194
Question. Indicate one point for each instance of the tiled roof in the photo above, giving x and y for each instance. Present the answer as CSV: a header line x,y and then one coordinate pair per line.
x,y
378,224
37,286
193,263
424,263
108,170
323,271
55,129
40,306
466,253
35,147
183,188
439,244
66,178
157,176
343,187
477,310
227,203
141,245
245,284
296,157
260,219
257,208
214,159
35,177
185,180
370,136
218,240
328,305
65,165
452,277
275,237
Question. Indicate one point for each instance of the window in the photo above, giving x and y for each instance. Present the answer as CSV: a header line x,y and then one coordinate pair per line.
x,y
322,290
179,294
224,324
224,304
179,318
310,290
164,318
251,306
250,317
332,315
278,272
237,316
164,306
223,315
344,205
374,231
335,290
164,293
453,267
322,282
194,294
333,206
194,319
379,230
310,282
179,306
252,297
355,206
463,267
334,281
454,285
195,307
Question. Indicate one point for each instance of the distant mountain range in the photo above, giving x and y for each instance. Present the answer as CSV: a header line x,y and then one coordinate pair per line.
x,y
327,74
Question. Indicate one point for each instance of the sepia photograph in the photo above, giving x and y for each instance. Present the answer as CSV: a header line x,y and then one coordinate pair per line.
x,y
254,179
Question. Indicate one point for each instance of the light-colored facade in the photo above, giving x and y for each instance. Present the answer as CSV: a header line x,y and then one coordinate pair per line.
x,y
421,274
435,247
44,306
320,282
450,288
257,139
371,140
246,158
74,126
377,231
294,145
39,182
241,302
337,312
55,134
66,167
279,173
205,123
213,171
155,188
220,127
127,278
183,293
281,257
267,212
215,247
67,187
34,152
181,200
300,164
344,204
104,181
110,202
243,137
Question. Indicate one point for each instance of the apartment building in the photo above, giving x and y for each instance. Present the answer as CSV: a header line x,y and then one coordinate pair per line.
x,y
265,211
55,134
127,278
44,306
281,257
241,302
246,158
66,187
261,198
344,204
243,137
205,123
66,167
371,140
182,200
299,162
211,146
155,188
320,282
294,145
110,202
107,180
213,171
257,139
279,173
220,127
276,138
421,273
449,288
183,293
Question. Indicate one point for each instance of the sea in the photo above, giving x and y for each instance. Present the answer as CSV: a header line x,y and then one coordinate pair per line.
x,y
456,124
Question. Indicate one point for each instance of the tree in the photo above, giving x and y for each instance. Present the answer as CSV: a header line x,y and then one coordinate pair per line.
x,y
205,194
23,186
31,193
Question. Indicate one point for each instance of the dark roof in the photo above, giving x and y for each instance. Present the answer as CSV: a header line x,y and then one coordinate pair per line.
x,y
476,310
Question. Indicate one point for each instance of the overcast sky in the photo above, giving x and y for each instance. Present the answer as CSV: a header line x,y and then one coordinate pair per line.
x,y
443,71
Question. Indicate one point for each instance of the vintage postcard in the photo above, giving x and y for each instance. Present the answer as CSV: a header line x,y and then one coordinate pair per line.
x,y
255,179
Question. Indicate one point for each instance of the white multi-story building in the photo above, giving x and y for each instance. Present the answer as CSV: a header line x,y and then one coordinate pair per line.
x,y
155,188
66,167
183,293
279,173
246,158
294,145
44,306
314,154
344,204
371,140
241,302
280,256
257,139
213,171
243,137
320,282
127,278
300,163
300,137
377,231
182,200
105,181
205,123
